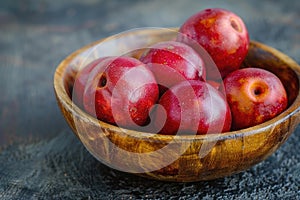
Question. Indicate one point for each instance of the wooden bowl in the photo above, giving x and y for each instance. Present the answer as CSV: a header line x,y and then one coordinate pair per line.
x,y
177,158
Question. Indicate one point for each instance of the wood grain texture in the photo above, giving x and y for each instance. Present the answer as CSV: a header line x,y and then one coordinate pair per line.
x,y
196,157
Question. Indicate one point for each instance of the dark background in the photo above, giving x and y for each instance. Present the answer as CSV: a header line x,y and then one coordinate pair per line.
x,y
40,158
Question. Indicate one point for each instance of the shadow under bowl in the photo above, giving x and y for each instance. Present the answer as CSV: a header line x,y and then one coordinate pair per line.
x,y
177,158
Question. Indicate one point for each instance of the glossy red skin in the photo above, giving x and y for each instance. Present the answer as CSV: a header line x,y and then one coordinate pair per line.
x,y
127,95
81,80
254,96
172,62
227,44
193,107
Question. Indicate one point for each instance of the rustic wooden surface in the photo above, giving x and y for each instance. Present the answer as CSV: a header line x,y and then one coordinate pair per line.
x,y
41,159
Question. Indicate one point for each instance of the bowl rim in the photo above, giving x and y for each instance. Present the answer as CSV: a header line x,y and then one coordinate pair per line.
x,y
63,97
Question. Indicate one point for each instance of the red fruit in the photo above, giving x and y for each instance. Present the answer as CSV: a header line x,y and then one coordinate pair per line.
x,y
121,91
254,96
224,36
172,62
81,80
192,107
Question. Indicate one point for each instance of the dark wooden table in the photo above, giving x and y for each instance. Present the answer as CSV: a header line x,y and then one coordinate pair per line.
x,y
40,158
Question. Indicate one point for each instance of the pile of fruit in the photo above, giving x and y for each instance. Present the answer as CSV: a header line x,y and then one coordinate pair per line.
x,y
170,88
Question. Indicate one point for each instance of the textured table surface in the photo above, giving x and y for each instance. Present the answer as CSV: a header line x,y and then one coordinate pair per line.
x,y
40,158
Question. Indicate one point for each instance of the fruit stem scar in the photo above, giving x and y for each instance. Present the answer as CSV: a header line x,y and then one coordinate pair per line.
x,y
102,81
235,25
257,91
